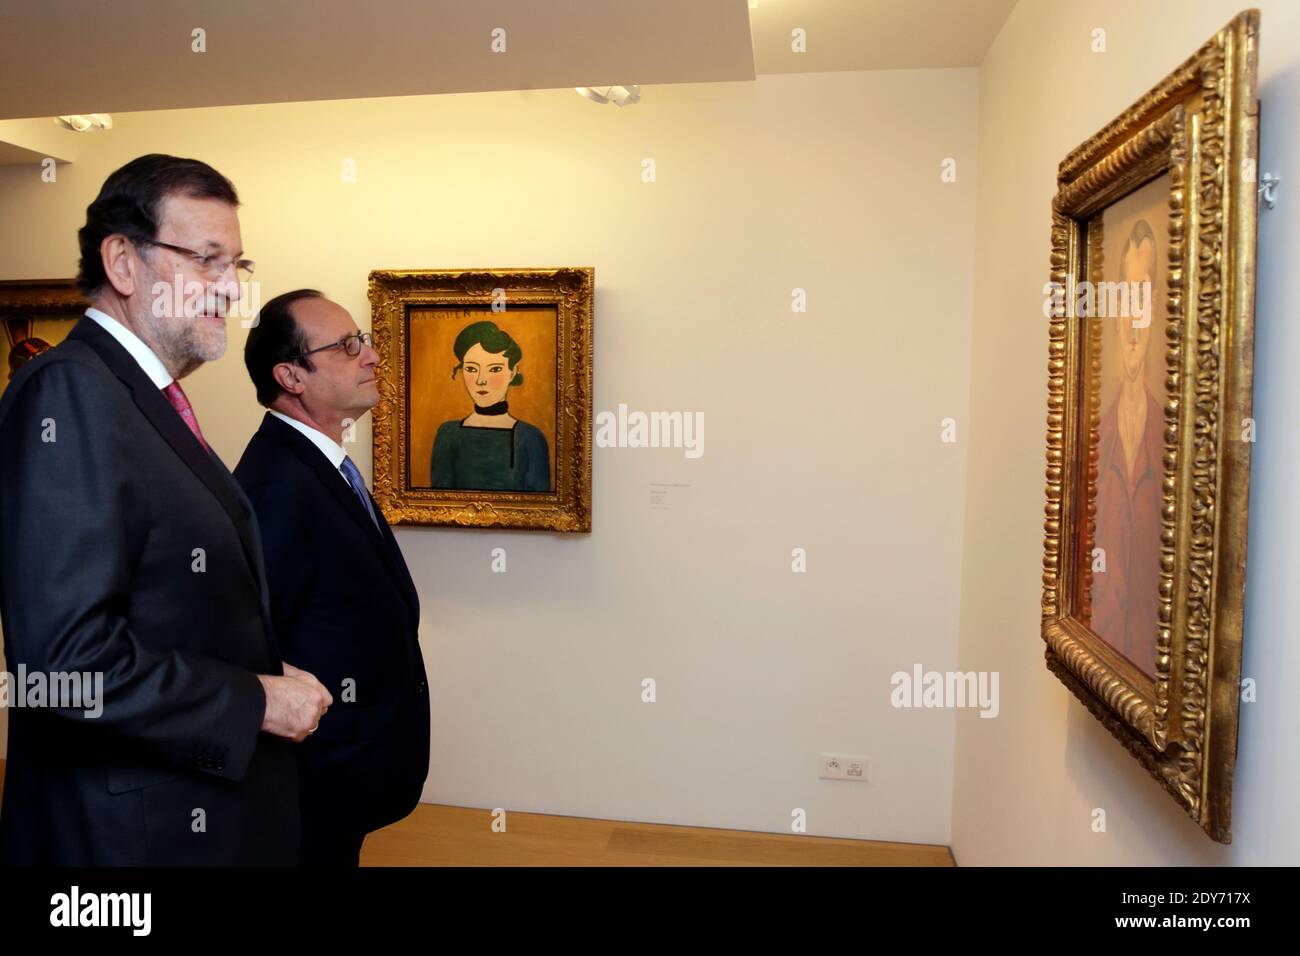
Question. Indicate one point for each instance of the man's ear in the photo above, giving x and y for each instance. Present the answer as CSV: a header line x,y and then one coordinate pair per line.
x,y
115,256
289,377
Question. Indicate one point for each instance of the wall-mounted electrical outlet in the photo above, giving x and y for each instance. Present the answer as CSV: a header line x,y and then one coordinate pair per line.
x,y
842,767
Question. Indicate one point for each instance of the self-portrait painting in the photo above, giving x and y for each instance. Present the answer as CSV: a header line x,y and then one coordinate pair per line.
x,y
485,386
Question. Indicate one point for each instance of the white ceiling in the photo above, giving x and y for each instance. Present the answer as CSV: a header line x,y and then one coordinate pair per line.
x,y
108,56
82,56
875,34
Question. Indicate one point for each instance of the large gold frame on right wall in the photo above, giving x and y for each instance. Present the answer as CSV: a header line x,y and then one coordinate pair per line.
x,y
1199,127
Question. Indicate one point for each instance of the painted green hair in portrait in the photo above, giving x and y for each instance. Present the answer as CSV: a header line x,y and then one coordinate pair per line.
x,y
494,342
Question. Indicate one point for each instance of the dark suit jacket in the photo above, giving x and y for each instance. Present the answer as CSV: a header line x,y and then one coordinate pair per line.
x,y
100,572
345,609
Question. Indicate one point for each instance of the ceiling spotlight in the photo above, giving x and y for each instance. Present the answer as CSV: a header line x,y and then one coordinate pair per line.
x,y
618,95
82,124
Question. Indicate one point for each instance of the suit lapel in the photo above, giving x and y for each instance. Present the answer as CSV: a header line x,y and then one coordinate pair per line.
x,y
400,570
254,532
380,538
160,414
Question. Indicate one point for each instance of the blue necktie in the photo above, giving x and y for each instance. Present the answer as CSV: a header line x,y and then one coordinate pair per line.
x,y
354,479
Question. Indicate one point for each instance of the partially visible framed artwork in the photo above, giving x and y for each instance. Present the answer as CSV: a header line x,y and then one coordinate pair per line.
x,y
37,315
1149,428
485,410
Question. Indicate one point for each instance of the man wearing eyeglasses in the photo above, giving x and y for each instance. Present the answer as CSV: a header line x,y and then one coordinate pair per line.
x,y
129,556
342,600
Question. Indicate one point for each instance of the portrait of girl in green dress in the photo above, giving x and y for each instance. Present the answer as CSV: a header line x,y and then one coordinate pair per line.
x,y
489,449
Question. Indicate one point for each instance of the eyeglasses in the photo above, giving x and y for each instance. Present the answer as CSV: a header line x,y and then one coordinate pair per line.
x,y
211,266
349,343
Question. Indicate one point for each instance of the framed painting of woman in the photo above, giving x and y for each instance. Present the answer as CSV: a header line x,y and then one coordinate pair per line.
x,y
485,397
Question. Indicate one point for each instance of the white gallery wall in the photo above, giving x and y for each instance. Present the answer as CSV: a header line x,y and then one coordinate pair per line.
x,y
1028,783
823,429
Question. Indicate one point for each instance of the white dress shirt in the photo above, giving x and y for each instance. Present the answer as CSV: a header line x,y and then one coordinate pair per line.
x,y
331,449
143,355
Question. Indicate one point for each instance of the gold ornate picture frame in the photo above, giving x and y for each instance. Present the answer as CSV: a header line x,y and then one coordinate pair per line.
x,y
485,384
1146,510
36,314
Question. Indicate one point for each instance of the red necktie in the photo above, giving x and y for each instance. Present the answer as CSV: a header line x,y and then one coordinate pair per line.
x,y
182,405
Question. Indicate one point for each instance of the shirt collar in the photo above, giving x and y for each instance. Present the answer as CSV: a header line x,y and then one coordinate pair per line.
x,y
328,446
143,355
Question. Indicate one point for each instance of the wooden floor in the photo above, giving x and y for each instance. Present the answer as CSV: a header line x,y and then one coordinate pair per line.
x,y
438,835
